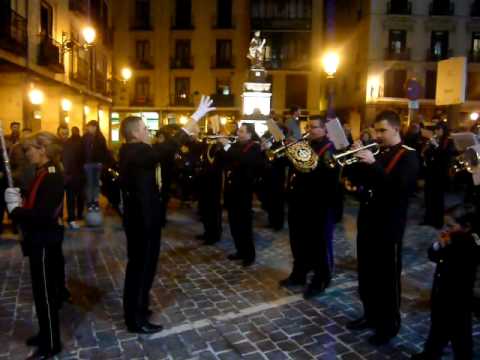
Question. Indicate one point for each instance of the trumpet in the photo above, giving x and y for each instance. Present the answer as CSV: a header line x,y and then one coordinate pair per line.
x,y
212,139
349,157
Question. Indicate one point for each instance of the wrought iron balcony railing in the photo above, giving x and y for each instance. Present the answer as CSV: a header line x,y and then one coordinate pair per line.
x,y
13,32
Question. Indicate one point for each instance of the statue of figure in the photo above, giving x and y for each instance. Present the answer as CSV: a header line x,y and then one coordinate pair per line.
x,y
256,51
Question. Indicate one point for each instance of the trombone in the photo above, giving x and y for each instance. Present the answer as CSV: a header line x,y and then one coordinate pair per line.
x,y
349,157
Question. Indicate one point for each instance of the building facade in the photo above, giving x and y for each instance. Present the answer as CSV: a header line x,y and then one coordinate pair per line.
x,y
385,43
180,49
49,73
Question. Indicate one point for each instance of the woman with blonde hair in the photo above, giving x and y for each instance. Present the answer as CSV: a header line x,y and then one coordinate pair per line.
x,y
39,216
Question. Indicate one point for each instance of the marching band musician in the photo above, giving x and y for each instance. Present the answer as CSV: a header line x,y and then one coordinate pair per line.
x,y
243,161
437,156
311,198
39,218
140,181
385,183
210,186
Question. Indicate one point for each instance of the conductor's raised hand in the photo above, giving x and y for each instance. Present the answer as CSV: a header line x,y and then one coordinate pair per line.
x,y
13,198
204,107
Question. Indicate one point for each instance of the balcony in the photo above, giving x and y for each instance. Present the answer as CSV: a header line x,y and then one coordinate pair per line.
x,y
223,23
145,63
80,74
79,6
13,32
218,63
275,23
403,55
431,56
101,83
181,100
141,25
277,63
399,8
475,9
221,100
438,8
49,54
181,63
474,56
141,100
182,24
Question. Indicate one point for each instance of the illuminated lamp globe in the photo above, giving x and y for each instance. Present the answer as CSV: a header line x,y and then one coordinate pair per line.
x,y
330,62
36,97
126,73
66,105
474,116
89,35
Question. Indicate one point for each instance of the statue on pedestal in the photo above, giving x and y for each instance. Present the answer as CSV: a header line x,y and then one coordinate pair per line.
x,y
256,51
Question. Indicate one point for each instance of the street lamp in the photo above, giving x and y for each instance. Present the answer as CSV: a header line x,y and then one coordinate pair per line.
x,y
330,62
126,74
89,35
36,96
474,116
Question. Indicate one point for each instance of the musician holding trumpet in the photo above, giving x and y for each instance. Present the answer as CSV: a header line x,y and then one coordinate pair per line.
x,y
385,182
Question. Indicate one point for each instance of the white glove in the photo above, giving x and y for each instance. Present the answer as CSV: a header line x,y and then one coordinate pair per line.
x,y
13,198
203,108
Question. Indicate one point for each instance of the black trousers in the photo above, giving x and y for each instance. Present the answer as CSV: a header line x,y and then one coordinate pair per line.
x,y
434,201
309,231
75,201
450,322
239,207
143,251
45,265
379,261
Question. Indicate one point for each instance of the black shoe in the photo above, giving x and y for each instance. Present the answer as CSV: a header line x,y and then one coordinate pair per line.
x,y
33,340
358,324
67,296
379,339
291,281
234,257
313,291
146,328
43,354
248,262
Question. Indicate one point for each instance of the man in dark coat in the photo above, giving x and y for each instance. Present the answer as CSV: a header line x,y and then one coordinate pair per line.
x,y
312,199
140,181
385,183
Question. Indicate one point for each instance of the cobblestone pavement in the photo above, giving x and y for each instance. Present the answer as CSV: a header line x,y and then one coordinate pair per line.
x,y
211,307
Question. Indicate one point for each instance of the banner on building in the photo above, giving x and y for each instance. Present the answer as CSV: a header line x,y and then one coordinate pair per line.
x,y
451,81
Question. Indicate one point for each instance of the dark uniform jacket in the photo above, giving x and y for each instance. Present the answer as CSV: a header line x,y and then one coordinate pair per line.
x,y
40,221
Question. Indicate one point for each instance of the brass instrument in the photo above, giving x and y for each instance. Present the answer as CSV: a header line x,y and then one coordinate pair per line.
x,y
213,139
349,157
469,160
299,152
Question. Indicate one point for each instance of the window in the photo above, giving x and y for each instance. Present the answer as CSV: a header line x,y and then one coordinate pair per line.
x,y
296,91
142,50
224,87
430,84
397,40
473,85
439,45
142,89
182,91
394,83
46,19
182,53
287,50
224,53
142,14
224,14
285,9
475,46
183,14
